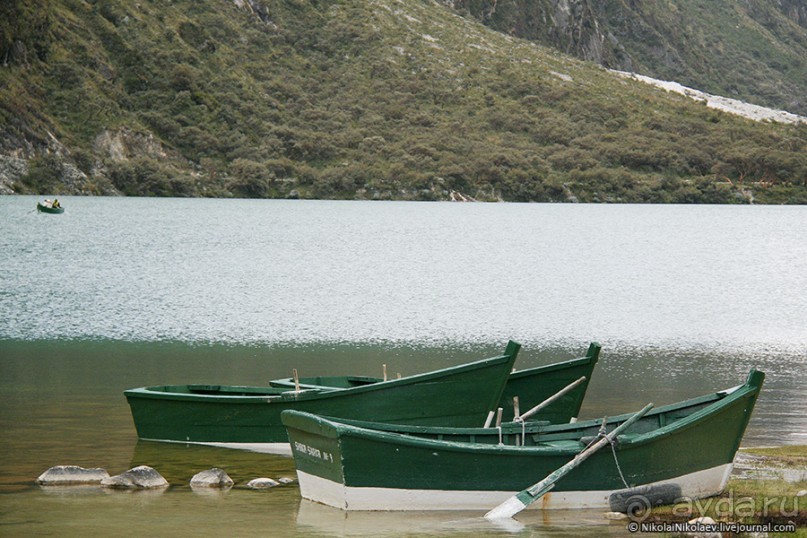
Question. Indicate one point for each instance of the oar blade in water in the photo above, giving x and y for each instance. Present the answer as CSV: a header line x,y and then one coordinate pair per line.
x,y
514,504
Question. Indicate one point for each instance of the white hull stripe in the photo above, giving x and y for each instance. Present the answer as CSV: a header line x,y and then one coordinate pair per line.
x,y
281,449
694,485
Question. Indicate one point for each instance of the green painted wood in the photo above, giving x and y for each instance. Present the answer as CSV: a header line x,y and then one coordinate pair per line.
x,y
457,396
524,498
532,386
337,382
666,443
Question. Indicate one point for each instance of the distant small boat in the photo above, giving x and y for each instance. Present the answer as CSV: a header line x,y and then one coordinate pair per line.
x,y
50,206
680,450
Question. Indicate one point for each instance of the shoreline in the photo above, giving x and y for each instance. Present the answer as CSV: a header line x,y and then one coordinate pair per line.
x,y
768,485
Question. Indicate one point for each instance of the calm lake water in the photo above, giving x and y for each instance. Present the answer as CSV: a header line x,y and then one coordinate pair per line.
x,y
124,292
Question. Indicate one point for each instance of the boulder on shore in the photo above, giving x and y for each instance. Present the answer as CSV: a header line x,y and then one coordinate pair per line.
x,y
211,478
71,475
143,477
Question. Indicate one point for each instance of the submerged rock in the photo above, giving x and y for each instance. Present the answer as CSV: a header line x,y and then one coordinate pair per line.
x,y
139,477
262,483
211,478
70,475
285,480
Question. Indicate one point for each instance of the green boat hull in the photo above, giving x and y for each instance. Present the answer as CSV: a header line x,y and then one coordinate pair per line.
x,y
535,385
680,450
47,209
249,417
531,386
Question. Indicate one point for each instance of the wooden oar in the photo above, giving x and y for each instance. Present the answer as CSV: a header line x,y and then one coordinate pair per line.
x,y
523,499
562,392
538,407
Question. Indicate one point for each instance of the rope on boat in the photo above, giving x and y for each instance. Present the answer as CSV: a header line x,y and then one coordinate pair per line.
x,y
612,442
603,434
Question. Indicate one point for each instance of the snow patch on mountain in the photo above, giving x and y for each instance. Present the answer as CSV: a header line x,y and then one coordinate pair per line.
x,y
732,106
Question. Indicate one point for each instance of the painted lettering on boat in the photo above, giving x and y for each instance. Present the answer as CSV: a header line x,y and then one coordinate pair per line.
x,y
312,451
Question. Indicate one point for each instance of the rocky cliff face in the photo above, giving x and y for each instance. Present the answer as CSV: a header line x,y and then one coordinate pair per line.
x,y
578,27
11,168
795,10
713,48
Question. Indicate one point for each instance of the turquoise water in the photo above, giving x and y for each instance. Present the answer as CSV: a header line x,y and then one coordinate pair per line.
x,y
124,292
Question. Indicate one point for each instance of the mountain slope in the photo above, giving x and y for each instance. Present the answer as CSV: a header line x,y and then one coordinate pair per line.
x,y
378,99
755,50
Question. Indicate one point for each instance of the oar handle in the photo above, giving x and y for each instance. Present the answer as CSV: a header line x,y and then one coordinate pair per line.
x,y
562,392
628,423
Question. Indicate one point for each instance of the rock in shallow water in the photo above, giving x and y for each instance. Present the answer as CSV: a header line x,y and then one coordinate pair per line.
x,y
139,477
262,483
70,475
212,478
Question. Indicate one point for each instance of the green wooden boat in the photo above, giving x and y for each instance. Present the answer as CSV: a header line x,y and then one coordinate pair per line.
x,y
47,207
531,386
249,417
680,450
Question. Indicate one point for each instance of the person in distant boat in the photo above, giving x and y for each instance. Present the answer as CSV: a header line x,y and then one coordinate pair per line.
x,y
56,202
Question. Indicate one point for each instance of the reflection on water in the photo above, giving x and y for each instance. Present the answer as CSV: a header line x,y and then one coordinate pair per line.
x,y
179,462
328,521
63,404
249,513
143,513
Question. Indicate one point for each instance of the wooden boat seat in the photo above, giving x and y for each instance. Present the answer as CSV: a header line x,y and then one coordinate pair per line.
x,y
564,445
307,386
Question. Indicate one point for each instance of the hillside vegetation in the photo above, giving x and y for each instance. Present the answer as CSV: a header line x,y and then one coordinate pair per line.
x,y
375,99
755,50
